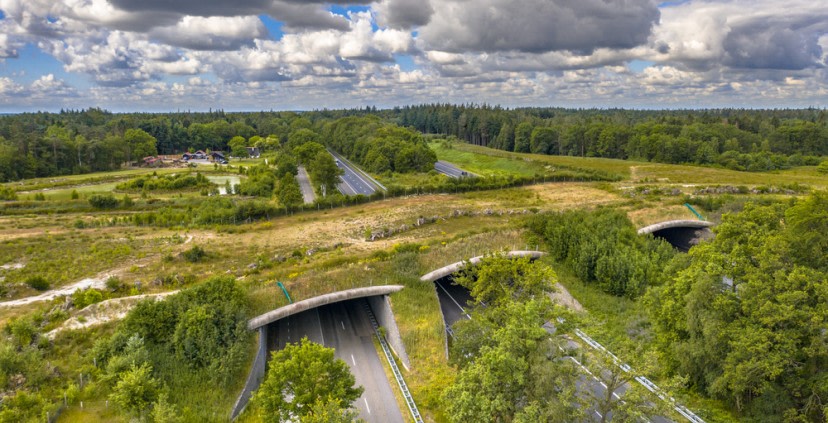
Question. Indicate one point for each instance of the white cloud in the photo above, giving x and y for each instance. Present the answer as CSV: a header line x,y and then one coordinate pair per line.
x,y
212,33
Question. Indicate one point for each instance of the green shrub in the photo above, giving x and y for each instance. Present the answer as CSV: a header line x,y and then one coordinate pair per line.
x,y
103,201
195,254
75,194
7,194
114,284
38,282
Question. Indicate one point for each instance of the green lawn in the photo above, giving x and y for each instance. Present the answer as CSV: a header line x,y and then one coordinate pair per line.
x,y
488,161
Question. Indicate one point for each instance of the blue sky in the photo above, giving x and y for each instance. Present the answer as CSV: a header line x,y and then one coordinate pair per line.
x,y
277,54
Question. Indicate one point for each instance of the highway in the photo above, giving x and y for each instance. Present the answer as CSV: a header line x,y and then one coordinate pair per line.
x,y
454,300
345,327
305,185
451,170
353,182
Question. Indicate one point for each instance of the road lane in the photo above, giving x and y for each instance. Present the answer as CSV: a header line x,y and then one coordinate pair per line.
x,y
451,170
305,185
345,327
453,300
353,182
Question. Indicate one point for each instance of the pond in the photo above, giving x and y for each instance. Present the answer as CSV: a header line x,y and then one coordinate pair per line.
x,y
222,180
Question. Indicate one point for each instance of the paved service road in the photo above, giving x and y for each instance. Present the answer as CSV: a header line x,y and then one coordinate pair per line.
x,y
353,182
305,185
345,327
451,170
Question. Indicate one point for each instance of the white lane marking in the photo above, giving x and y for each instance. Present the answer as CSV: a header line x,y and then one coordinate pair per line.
x,y
343,324
366,405
453,300
349,185
593,376
353,360
322,334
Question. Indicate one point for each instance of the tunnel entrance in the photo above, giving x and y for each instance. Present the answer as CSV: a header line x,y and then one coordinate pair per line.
x,y
683,238
344,326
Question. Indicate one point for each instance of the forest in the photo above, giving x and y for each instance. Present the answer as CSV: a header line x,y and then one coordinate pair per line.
x,y
74,142
752,140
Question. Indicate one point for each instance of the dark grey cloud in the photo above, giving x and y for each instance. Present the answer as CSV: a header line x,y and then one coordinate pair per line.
x,y
295,15
539,25
306,16
195,7
765,44
404,14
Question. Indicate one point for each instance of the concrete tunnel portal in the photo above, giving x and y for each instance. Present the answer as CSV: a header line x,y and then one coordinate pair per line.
x,y
338,320
681,234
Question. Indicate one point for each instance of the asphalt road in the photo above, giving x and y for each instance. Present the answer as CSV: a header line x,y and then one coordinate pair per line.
x,y
305,185
345,327
451,170
353,182
454,300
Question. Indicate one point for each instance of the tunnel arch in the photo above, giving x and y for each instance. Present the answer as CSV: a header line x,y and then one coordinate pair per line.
x,y
318,301
454,267
681,234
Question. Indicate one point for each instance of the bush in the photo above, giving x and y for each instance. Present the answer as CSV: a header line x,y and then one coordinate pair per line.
x,y
823,167
195,254
103,201
38,282
7,194
75,194
136,389
114,284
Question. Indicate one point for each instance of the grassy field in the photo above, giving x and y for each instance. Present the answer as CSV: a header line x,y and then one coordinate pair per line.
x,y
321,251
487,161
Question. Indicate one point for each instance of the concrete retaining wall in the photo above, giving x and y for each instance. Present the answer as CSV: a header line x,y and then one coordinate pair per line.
x,y
255,377
381,306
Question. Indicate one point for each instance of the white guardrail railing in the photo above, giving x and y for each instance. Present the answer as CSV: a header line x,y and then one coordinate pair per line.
x,y
409,400
646,383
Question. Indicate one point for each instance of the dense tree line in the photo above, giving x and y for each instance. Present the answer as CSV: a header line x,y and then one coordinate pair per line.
x,y
602,247
73,142
754,140
378,146
744,318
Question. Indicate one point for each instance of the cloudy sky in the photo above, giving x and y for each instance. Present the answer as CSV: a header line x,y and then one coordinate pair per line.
x,y
164,55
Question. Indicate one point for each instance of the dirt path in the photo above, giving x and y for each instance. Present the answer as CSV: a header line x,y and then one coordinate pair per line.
x,y
104,311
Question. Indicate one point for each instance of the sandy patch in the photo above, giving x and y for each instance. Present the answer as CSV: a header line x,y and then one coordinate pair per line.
x,y
104,311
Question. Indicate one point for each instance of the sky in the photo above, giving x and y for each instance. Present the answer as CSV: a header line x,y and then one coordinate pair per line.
x,y
247,55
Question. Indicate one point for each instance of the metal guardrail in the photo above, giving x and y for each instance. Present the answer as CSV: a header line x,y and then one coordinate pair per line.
x,y
409,400
646,383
